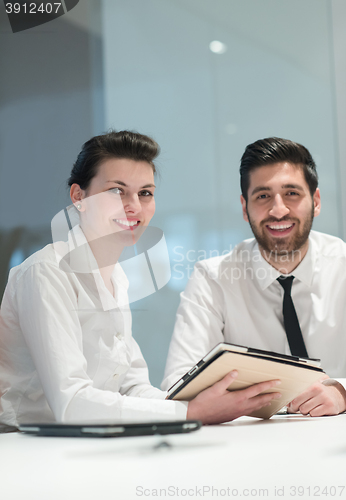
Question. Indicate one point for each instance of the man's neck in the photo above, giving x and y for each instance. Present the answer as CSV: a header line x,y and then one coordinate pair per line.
x,y
285,263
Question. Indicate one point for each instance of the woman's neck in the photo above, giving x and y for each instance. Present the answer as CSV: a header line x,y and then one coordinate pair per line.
x,y
106,250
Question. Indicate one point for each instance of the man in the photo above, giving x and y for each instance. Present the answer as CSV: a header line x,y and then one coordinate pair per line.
x,y
237,298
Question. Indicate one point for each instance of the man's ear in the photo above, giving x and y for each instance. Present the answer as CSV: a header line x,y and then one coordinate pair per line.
x,y
243,204
317,202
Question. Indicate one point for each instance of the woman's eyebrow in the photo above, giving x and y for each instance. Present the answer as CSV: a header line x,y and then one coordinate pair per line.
x,y
125,185
119,182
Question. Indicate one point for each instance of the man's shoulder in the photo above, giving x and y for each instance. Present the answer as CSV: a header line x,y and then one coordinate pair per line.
x,y
328,245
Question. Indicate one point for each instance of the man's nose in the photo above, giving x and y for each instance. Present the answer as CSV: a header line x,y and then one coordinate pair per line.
x,y
279,209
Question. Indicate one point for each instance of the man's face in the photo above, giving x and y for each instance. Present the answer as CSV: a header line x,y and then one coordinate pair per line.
x,y
280,208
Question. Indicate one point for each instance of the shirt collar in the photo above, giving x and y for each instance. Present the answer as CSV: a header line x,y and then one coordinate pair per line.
x,y
305,270
265,274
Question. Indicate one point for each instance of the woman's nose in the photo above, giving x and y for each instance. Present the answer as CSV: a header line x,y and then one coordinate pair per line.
x,y
132,204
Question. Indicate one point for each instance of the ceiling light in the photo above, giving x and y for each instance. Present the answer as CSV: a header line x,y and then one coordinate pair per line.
x,y
217,47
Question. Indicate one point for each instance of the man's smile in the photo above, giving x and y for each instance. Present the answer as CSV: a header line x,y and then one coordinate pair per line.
x,y
280,229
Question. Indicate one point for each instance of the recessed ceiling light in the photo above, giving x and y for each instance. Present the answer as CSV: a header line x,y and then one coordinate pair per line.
x,y
218,47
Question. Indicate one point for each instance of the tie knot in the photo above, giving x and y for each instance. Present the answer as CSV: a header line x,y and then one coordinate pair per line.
x,y
286,282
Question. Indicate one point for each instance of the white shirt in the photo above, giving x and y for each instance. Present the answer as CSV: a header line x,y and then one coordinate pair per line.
x,y
66,348
235,298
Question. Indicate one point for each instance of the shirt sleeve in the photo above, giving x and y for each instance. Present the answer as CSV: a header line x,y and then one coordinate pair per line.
x,y
47,309
136,382
198,327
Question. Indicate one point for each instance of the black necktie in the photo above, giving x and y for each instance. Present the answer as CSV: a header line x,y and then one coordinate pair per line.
x,y
293,331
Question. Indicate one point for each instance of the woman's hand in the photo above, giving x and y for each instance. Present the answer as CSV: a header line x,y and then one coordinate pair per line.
x,y
216,404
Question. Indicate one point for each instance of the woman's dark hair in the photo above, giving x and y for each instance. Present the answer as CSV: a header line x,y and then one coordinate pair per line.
x,y
123,144
275,150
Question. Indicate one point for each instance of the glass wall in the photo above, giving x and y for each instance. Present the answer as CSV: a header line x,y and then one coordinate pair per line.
x,y
151,66
271,75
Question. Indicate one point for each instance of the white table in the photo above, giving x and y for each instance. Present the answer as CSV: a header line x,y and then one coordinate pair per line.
x,y
246,458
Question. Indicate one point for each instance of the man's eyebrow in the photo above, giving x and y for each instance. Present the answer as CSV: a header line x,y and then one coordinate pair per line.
x,y
260,188
284,186
125,185
293,186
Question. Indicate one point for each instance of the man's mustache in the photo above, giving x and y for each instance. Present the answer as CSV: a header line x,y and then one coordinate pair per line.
x,y
283,219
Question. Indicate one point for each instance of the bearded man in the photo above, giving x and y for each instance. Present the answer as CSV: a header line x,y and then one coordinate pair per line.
x,y
283,290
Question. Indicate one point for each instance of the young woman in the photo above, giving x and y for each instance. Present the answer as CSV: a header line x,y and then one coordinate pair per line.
x,y
66,349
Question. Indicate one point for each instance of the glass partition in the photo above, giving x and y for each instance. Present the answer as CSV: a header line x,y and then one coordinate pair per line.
x,y
270,74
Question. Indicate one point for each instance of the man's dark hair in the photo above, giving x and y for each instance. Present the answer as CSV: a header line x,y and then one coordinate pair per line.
x,y
121,145
275,150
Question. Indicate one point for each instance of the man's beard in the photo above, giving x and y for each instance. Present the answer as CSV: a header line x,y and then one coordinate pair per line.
x,y
285,245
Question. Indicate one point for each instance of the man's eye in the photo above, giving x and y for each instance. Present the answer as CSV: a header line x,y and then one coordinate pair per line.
x,y
145,193
262,196
292,193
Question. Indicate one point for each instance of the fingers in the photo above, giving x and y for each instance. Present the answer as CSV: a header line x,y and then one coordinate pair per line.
x,y
222,385
311,404
251,399
318,411
320,399
249,392
312,392
290,410
256,389
216,404
261,401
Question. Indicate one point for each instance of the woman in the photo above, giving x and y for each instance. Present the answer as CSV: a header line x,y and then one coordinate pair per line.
x,y
66,349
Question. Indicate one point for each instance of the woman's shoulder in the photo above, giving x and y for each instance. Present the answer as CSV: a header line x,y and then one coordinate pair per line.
x,y
47,258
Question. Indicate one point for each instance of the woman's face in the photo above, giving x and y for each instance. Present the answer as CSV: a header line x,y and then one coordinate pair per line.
x,y
119,199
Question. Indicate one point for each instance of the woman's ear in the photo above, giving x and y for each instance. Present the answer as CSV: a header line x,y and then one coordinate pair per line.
x,y
77,194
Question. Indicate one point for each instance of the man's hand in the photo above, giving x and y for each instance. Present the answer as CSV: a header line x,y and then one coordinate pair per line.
x,y
216,404
326,397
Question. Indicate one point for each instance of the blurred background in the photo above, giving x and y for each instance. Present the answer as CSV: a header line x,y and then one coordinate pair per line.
x,y
204,78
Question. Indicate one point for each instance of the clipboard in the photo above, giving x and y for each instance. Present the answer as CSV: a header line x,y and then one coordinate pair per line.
x,y
253,366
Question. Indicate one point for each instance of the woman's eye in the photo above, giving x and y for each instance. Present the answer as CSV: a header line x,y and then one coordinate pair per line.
x,y
116,191
145,193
